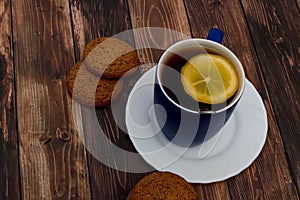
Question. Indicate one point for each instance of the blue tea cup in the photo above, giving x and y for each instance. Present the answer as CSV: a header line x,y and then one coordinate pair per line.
x,y
184,121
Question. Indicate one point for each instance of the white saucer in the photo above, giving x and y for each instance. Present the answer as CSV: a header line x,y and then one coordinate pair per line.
x,y
238,143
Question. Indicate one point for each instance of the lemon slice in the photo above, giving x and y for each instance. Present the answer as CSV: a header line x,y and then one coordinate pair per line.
x,y
209,78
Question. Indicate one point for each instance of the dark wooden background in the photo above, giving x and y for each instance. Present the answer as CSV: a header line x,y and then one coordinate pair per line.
x,y
41,154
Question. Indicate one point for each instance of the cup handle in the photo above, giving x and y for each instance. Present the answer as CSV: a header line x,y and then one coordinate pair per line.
x,y
215,35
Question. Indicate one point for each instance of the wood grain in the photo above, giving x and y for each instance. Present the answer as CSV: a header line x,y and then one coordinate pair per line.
x,y
276,38
9,169
217,190
169,15
43,135
267,177
50,167
104,19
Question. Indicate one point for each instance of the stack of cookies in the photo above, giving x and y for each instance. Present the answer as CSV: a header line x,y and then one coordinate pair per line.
x,y
95,81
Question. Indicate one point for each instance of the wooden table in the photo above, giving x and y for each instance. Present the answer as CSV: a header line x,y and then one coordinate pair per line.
x,y
41,153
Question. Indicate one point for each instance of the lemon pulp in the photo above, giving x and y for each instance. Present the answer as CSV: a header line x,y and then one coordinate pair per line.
x,y
209,78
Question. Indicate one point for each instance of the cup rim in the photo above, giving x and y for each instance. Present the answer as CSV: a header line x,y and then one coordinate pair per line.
x,y
210,44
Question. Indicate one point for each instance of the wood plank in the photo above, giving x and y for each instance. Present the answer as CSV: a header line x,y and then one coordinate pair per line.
x,y
9,168
277,31
156,13
50,167
104,19
167,14
267,177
